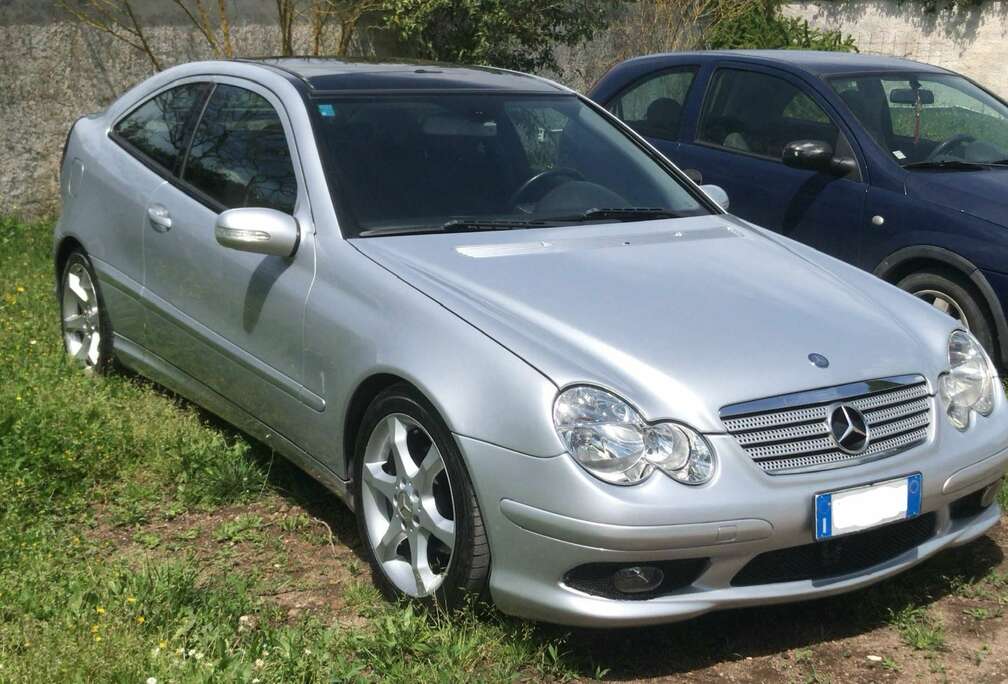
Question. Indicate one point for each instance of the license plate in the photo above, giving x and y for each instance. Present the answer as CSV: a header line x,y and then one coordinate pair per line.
x,y
860,508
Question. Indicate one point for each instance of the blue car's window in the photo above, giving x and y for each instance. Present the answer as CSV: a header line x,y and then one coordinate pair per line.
x,y
756,113
239,155
928,118
158,128
653,107
424,160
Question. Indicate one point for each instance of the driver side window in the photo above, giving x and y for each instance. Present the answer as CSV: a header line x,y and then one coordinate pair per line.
x,y
239,155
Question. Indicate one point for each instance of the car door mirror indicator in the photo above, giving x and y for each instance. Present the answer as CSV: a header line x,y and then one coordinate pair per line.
x,y
257,229
816,155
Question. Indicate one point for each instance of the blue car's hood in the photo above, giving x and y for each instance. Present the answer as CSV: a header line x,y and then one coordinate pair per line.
x,y
983,194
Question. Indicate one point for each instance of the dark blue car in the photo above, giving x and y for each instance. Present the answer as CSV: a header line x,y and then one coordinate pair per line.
x,y
896,166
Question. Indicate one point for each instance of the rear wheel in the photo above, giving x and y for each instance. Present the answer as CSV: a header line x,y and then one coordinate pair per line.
x,y
953,295
87,334
416,509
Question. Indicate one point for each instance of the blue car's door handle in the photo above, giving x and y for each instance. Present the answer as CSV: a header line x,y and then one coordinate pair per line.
x,y
159,217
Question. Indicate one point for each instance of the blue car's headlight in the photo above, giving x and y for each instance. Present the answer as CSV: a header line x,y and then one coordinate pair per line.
x,y
970,382
607,437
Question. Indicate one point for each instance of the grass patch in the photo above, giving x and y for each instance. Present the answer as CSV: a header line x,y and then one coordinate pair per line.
x,y
918,628
75,448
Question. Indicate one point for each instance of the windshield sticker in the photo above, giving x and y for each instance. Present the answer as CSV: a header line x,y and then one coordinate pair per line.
x,y
898,154
326,110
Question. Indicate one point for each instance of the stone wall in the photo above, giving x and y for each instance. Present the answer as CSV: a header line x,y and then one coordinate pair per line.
x,y
970,40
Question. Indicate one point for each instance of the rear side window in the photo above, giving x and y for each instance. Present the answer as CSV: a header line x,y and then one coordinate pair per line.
x,y
158,128
239,155
654,106
757,113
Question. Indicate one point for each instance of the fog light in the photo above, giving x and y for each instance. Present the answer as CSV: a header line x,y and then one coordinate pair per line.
x,y
637,579
990,494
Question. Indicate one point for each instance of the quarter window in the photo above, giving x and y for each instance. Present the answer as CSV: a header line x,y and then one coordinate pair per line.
x,y
239,155
654,106
158,127
757,113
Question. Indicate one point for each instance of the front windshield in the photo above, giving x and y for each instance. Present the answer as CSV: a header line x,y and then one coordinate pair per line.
x,y
444,162
929,120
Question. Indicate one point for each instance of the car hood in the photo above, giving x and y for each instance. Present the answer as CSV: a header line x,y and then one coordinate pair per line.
x,y
983,194
679,317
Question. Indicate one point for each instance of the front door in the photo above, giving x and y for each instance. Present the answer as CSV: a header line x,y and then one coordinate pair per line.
x,y
747,118
233,320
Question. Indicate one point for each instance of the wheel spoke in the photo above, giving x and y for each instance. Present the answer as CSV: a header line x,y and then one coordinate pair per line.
x,y
425,579
75,323
94,348
436,524
75,286
379,481
386,548
430,467
80,354
406,468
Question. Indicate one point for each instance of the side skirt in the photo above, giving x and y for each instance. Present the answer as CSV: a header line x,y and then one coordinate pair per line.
x,y
157,369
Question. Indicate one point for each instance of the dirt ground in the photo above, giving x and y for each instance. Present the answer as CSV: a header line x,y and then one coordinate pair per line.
x,y
942,621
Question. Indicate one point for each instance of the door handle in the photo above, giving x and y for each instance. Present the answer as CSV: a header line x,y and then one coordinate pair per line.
x,y
159,217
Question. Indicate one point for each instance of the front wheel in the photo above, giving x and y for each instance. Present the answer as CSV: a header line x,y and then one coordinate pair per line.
x,y
87,334
416,509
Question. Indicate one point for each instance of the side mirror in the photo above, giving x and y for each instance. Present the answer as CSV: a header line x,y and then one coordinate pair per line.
x,y
718,194
694,175
257,229
816,155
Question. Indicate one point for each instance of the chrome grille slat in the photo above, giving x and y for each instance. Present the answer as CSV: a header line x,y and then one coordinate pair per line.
x,y
786,437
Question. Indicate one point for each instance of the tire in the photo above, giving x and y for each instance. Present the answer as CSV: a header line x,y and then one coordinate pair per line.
x,y
954,295
420,503
84,322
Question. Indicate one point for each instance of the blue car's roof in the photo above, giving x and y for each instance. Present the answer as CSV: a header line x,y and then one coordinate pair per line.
x,y
815,62
324,74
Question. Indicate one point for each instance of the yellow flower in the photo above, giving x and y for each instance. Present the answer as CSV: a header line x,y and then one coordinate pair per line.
x,y
94,629
20,289
130,599
140,619
162,644
99,610
97,638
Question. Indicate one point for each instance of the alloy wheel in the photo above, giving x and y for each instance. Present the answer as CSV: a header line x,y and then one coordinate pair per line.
x,y
944,303
81,316
407,503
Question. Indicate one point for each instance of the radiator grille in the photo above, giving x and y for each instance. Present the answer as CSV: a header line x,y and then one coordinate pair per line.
x,y
791,433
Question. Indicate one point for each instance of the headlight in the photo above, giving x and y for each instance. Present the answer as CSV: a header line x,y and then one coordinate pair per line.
x,y
612,442
969,384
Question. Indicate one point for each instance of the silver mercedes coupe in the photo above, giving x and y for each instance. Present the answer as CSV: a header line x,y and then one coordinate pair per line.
x,y
539,362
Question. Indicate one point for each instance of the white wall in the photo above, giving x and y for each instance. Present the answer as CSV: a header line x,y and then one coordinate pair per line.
x,y
970,41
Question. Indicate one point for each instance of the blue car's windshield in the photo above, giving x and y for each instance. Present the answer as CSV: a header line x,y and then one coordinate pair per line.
x,y
929,120
445,162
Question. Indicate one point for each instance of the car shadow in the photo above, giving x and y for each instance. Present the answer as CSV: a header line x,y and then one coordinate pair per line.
x,y
752,632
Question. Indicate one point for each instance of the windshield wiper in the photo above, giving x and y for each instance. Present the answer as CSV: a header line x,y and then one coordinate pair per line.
x,y
455,226
625,214
948,165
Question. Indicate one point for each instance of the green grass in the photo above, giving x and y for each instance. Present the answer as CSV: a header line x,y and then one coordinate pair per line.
x,y
918,628
79,452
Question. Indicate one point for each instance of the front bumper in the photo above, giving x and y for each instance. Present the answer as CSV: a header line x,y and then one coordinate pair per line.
x,y
546,516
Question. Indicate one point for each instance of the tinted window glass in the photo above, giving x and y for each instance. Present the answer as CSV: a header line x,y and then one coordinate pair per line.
x,y
239,153
760,114
423,160
159,126
654,106
928,117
